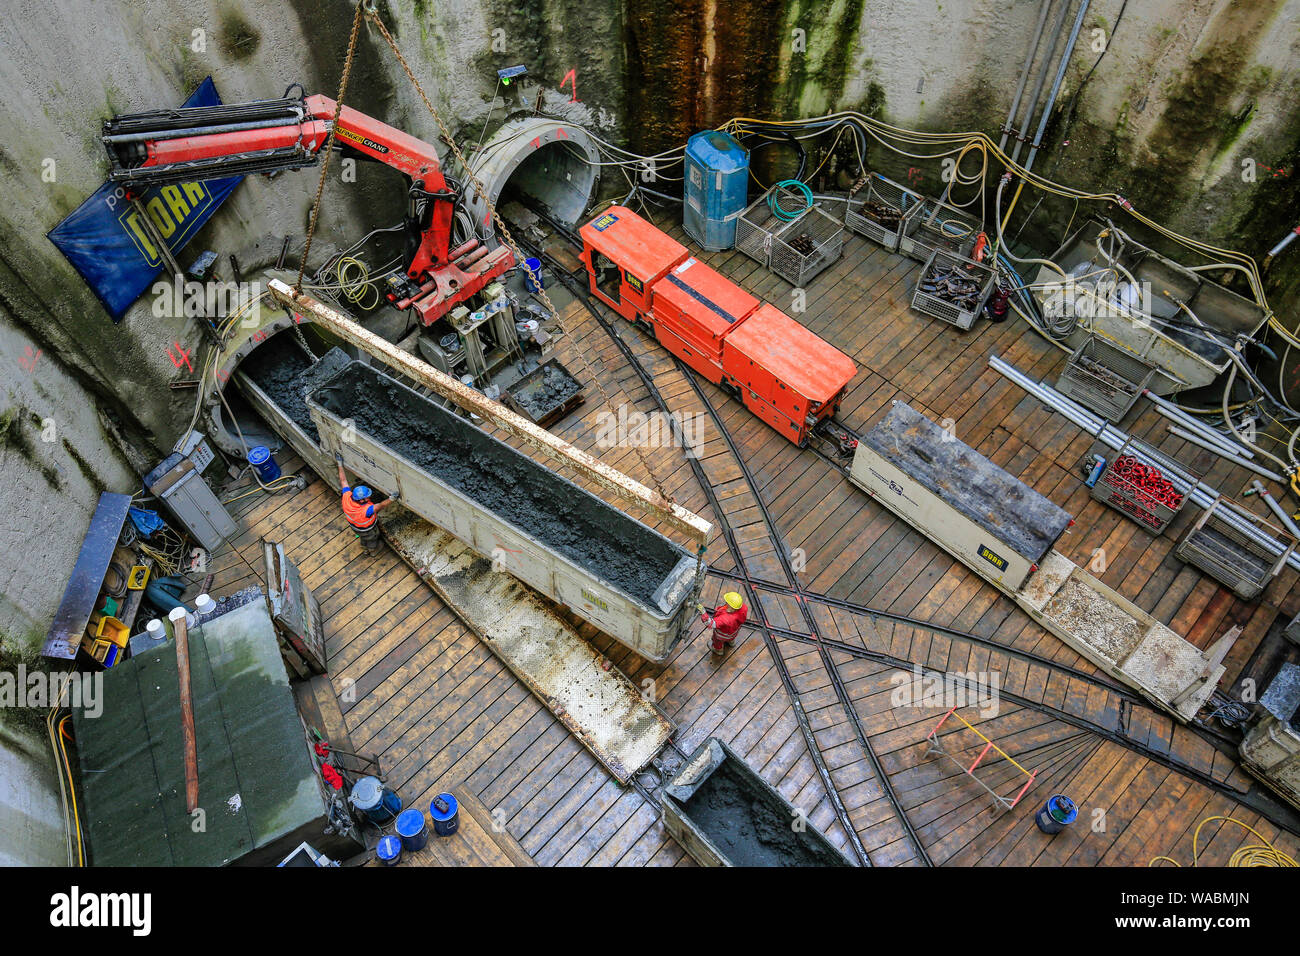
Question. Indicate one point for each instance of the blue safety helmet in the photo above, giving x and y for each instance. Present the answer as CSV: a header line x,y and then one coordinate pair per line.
x,y
360,493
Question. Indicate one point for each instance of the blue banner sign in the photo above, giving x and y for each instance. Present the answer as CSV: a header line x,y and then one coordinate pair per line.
x,y
110,247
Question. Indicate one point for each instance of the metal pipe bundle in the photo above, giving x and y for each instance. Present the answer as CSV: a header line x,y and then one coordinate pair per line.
x,y
1201,495
1175,414
1216,449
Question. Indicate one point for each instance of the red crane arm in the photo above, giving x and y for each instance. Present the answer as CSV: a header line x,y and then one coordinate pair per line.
x,y
213,142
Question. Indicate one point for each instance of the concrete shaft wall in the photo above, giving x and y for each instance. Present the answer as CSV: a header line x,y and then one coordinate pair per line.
x,y
1187,90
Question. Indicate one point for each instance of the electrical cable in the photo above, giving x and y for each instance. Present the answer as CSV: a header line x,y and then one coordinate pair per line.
x,y
72,793
63,790
1251,855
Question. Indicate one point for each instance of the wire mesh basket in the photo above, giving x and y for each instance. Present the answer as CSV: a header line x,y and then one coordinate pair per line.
x,y
937,225
1231,557
936,290
882,212
1145,485
796,250
1104,378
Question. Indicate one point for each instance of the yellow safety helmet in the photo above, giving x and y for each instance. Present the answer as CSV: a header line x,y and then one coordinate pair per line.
x,y
734,600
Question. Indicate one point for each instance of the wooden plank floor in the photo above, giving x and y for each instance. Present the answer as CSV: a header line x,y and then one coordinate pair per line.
x,y
416,688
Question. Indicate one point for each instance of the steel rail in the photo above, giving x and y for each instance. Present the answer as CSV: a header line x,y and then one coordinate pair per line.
x,y
801,716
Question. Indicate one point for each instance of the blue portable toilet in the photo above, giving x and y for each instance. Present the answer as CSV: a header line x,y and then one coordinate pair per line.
x,y
717,182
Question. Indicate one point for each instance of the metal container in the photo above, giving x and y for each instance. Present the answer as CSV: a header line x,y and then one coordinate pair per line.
x,y
1104,378
412,829
1271,748
940,262
180,486
717,184
888,193
988,518
1230,557
642,595
1127,495
796,250
535,397
445,813
379,803
1157,329
936,224
296,613
724,814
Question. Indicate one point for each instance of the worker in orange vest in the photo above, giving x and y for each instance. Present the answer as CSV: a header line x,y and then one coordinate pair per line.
x,y
725,620
361,512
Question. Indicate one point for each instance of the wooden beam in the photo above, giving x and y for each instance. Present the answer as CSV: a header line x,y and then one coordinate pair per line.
x,y
610,479
188,740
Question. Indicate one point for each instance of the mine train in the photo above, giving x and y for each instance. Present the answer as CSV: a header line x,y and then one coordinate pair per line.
x,y
782,372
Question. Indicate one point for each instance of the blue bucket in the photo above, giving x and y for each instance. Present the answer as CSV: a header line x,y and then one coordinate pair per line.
x,y
376,801
411,828
446,818
1057,814
389,850
533,275
264,463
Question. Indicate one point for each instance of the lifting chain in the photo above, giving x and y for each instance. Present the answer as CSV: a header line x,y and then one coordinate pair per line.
x,y
329,152
500,224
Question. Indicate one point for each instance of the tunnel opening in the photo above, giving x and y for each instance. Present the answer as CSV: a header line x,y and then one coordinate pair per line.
x,y
544,165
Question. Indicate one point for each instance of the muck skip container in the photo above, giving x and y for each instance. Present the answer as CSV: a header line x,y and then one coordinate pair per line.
x,y
631,582
725,814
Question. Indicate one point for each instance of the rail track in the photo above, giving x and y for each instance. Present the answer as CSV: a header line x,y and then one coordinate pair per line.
x,y
829,446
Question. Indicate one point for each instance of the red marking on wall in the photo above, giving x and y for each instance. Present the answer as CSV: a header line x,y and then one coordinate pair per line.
x,y
571,77
29,359
179,356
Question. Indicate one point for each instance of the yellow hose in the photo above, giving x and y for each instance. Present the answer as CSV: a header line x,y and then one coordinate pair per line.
x,y
1253,854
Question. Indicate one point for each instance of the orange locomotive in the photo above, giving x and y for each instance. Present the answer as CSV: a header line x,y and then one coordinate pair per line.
x,y
782,372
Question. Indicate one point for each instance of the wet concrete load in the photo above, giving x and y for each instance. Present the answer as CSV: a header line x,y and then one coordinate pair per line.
x,y
282,370
750,828
543,505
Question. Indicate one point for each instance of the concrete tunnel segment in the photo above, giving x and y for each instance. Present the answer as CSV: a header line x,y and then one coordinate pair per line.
x,y
553,162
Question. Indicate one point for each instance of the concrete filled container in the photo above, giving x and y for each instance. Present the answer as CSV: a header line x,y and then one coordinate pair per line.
x,y
553,535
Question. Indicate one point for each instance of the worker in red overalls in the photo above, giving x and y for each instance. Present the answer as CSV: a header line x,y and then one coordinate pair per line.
x,y
361,512
725,620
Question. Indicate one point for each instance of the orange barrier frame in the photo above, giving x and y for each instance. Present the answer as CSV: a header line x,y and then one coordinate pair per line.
x,y
935,747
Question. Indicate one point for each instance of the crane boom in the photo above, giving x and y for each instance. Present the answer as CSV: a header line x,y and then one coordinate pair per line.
x,y
215,142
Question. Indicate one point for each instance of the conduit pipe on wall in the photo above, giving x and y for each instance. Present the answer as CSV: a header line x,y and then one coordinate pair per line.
x,y
1007,127
1031,106
1056,83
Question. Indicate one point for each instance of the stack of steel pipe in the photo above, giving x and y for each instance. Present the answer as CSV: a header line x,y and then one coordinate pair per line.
x,y
1200,495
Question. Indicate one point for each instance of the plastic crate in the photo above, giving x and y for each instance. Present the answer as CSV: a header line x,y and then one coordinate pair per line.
x,y
887,193
937,225
1228,556
1104,378
1126,493
796,250
940,262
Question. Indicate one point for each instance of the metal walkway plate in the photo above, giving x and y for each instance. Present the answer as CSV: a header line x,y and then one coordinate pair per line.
x,y
593,699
